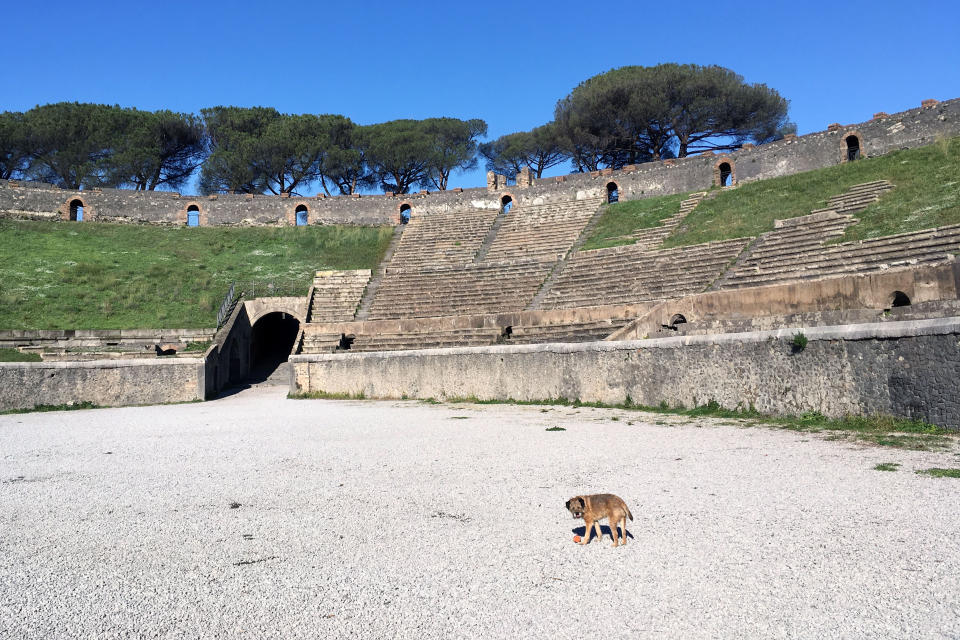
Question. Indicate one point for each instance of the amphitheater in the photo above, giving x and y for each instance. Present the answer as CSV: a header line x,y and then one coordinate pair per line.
x,y
360,460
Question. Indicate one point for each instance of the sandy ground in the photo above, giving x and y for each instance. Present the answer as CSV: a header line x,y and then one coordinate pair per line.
x,y
256,516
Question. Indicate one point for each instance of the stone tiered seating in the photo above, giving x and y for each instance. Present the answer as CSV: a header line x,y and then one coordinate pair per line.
x,y
541,232
320,342
623,275
482,288
784,263
336,294
857,198
651,238
442,239
426,340
568,332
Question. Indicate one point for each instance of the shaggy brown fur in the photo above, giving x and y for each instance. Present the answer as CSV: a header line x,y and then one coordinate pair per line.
x,y
596,507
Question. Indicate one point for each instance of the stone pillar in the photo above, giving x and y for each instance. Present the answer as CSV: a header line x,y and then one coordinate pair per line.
x,y
525,178
491,181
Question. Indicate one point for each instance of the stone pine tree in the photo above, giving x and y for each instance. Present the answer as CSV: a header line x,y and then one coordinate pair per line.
x,y
157,149
454,145
344,165
14,147
234,135
633,114
538,149
399,153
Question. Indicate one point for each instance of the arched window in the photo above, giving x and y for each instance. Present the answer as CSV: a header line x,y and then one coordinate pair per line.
x,y
677,319
301,215
405,213
726,172
613,193
506,203
900,299
193,216
853,148
76,210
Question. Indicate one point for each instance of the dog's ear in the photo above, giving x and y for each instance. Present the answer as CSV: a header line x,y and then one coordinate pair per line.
x,y
567,503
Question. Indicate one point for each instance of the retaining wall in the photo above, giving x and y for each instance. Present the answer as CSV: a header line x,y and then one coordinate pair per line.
x,y
904,369
882,134
104,382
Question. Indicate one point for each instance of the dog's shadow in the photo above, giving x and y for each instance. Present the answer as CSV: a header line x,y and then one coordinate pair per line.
x,y
604,531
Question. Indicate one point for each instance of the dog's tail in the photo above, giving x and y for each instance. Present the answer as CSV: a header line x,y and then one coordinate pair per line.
x,y
629,515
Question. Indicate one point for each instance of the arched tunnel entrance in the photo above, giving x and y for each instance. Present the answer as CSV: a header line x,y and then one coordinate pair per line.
x,y
271,340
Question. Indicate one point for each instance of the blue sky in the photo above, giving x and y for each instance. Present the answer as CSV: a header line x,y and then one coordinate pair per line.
x,y
507,63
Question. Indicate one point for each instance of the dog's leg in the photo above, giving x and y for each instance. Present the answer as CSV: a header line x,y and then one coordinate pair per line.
x,y
586,532
613,531
596,525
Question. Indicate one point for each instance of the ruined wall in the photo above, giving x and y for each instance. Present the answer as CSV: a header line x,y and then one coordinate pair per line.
x,y
904,369
883,134
25,385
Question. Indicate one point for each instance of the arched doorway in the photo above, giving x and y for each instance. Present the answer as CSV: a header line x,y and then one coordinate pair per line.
x,y
76,210
271,341
726,172
193,216
405,210
853,148
506,203
613,193
301,215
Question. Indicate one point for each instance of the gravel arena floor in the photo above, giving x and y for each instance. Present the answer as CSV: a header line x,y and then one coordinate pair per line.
x,y
255,516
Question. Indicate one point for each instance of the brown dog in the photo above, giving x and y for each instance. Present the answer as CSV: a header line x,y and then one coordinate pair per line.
x,y
596,507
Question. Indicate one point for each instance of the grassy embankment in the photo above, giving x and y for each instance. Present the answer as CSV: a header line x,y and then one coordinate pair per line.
x,y
61,275
926,194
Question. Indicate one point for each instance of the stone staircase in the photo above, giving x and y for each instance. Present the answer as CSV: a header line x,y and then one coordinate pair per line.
x,y
373,285
337,294
653,237
541,232
446,239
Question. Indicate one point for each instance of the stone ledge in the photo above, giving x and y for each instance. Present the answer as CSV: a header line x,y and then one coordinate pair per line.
x,y
107,364
885,330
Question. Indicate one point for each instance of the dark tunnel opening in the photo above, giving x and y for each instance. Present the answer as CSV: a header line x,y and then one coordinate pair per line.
x,y
271,341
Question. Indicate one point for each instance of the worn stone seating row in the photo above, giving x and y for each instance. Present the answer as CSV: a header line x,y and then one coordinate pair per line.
x,y
451,238
542,231
623,275
437,339
320,342
800,234
857,198
653,237
336,294
482,288
567,332
928,246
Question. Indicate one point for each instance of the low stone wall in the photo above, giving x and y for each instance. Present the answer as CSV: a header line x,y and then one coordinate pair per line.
x,y
67,338
906,369
24,385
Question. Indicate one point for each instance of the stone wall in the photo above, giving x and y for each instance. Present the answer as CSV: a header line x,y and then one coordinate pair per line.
x,y
882,134
25,385
905,369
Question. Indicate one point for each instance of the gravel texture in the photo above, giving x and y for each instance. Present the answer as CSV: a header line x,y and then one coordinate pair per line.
x,y
254,516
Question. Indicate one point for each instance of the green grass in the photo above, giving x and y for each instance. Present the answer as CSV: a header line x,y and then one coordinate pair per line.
x,y
926,194
324,395
623,218
74,406
555,429
60,275
887,466
193,347
12,355
940,473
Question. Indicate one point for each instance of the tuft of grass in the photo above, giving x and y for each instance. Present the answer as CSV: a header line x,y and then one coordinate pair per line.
x,y
799,342
887,466
14,355
620,220
940,473
554,429
101,275
325,395
925,195
70,406
193,347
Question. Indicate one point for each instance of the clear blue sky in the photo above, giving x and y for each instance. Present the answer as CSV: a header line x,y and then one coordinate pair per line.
x,y
507,63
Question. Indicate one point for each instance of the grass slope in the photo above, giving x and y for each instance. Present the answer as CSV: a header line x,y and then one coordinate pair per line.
x,y
623,218
60,275
926,194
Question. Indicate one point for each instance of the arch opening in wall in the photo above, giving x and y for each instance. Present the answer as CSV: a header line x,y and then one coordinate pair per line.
x,y
301,215
677,319
853,148
506,203
613,193
271,340
193,216
76,210
725,174
900,299
405,211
